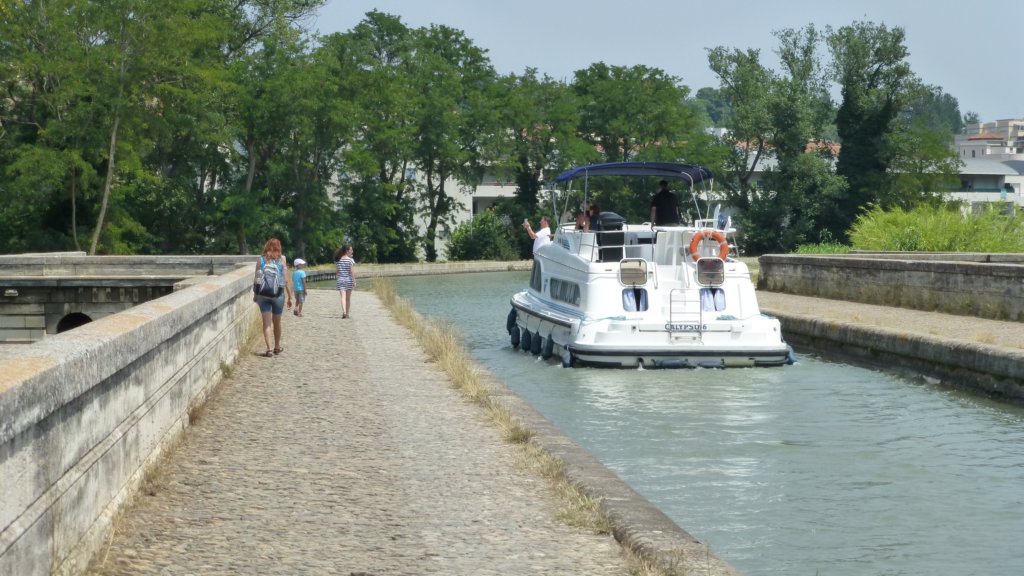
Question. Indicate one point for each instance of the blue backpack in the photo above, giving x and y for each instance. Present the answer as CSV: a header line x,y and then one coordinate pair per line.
x,y
269,279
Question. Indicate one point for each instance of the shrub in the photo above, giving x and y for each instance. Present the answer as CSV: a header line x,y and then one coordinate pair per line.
x,y
823,248
485,237
938,229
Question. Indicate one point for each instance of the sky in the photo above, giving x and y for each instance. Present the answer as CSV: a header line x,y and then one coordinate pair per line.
x,y
969,49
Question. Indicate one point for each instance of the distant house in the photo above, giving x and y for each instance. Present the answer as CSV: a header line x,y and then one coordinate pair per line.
x,y
993,157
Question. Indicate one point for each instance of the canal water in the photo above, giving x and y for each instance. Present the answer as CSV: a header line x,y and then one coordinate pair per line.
x,y
818,469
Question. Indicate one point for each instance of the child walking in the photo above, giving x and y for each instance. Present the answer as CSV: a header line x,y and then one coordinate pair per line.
x,y
346,277
299,284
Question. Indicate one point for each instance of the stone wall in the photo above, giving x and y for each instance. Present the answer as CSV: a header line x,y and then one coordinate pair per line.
x,y
85,414
38,292
982,285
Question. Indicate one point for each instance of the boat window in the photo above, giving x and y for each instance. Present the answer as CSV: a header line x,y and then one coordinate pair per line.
x,y
633,272
710,272
634,300
535,279
565,291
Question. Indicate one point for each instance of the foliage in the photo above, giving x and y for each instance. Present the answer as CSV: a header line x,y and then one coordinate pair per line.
x,y
455,119
877,84
639,113
484,237
823,248
626,112
938,228
541,116
775,116
714,104
206,126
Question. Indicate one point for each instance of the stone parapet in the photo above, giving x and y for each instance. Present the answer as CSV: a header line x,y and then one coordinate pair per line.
x,y
77,264
985,286
85,413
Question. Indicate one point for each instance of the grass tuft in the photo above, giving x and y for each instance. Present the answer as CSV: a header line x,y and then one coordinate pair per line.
x,y
443,346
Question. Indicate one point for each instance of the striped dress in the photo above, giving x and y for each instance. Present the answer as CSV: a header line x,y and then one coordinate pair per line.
x,y
345,281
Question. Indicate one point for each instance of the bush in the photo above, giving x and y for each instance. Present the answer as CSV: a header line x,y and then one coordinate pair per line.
x,y
938,229
485,237
823,248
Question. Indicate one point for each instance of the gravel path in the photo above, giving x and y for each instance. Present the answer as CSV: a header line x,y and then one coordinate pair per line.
x,y
347,454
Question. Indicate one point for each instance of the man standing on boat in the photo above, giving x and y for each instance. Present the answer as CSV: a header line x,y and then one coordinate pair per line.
x,y
665,207
540,237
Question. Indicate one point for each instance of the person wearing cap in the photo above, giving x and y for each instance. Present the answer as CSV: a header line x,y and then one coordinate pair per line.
x,y
299,284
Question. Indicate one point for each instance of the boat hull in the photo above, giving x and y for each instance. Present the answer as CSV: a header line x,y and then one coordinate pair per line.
x,y
549,329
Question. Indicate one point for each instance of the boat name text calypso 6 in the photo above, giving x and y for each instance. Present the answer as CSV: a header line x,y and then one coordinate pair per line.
x,y
686,327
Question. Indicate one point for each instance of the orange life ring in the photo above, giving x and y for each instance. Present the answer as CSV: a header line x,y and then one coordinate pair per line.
x,y
716,235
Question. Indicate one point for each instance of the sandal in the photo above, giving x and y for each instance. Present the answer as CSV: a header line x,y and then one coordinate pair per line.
x,y
278,351
267,354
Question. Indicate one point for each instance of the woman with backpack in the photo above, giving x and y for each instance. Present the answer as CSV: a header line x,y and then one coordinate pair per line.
x,y
269,290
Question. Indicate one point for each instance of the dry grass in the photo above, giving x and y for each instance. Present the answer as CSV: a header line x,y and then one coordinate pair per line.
x,y
441,343
443,347
985,338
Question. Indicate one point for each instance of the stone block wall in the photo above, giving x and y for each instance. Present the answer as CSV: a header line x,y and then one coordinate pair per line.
x,y
84,414
971,285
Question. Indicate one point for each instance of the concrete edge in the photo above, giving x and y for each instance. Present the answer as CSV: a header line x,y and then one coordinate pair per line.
x,y
985,368
637,524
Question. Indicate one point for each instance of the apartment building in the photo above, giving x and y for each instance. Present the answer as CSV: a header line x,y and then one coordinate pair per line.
x,y
993,157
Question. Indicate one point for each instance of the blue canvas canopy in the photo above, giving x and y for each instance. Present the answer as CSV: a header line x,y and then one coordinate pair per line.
x,y
691,173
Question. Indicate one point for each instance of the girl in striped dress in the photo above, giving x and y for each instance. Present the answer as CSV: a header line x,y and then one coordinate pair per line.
x,y
346,277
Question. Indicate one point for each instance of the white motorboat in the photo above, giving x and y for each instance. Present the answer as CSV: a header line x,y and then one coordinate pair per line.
x,y
628,295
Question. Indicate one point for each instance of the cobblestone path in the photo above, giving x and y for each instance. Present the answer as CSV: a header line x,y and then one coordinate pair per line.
x,y
347,454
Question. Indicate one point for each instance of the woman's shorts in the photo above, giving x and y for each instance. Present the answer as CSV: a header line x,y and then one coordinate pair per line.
x,y
272,305
300,296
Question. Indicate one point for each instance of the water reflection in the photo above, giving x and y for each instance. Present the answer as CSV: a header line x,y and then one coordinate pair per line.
x,y
817,468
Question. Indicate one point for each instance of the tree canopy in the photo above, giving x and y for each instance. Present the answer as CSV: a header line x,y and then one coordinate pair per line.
x,y
144,127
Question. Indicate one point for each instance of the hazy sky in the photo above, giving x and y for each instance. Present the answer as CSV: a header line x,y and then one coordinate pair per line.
x,y
970,49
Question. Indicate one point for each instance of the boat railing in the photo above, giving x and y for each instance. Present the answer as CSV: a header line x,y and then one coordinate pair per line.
x,y
663,248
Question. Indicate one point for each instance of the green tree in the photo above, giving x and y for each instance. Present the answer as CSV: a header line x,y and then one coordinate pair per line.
x,y
540,116
456,120
780,116
372,68
627,111
876,84
126,102
715,104
747,85
638,113
935,110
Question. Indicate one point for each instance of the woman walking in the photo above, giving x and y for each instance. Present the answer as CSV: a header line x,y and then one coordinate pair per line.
x,y
269,289
346,277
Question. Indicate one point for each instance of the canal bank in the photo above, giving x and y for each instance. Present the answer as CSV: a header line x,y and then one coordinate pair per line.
x,y
957,351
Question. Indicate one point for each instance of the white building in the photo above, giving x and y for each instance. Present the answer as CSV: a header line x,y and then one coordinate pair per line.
x,y
993,157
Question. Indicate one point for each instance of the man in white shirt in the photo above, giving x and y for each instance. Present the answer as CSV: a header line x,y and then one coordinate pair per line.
x,y
540,237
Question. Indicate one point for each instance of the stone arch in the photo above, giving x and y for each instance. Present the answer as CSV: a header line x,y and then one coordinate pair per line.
x,y
73,320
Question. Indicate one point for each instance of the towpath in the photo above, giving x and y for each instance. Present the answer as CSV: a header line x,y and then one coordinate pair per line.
x,y
950,327
347,454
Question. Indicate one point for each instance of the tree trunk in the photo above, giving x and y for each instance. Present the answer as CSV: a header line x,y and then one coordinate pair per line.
x,y
74,207
107,185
